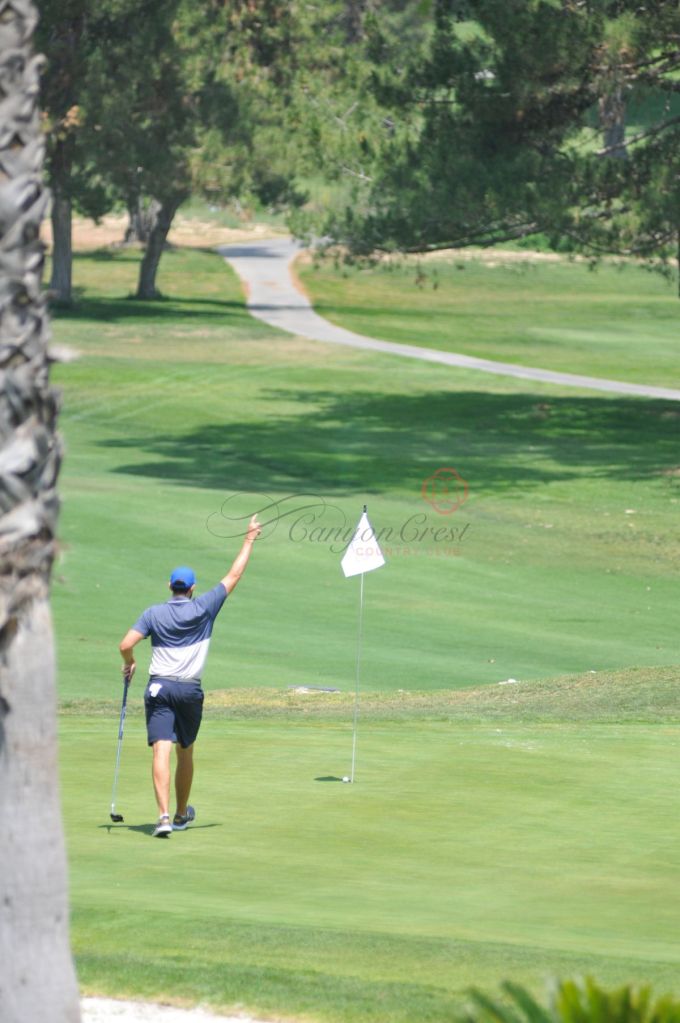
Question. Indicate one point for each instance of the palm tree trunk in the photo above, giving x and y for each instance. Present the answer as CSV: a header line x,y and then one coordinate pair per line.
x,y
37,979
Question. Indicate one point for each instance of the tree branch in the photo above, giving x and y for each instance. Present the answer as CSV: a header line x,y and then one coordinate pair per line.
x,y
355,174
672,56
649,133
486,237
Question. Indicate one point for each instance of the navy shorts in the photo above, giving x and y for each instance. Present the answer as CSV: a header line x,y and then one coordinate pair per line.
x,y
173,711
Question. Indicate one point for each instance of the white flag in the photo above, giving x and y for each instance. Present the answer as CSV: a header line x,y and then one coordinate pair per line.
x,y
363,553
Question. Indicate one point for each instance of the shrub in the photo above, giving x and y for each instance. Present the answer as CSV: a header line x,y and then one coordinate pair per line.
x,y
572,1002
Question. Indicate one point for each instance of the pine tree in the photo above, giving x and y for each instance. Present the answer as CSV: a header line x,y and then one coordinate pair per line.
x,y
518,124
148,104
69,33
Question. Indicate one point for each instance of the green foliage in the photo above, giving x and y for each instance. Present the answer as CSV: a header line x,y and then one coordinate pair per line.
x,y
436,124
338,113
493,132
574,1002
191,81
148,104
73,36
142,129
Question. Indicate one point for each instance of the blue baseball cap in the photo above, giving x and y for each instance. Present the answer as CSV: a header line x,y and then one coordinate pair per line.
x,y
182,577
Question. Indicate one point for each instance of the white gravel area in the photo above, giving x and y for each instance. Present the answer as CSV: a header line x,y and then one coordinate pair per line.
x,y
111,1010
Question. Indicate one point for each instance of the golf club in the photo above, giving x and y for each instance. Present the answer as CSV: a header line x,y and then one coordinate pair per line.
x,y
117,818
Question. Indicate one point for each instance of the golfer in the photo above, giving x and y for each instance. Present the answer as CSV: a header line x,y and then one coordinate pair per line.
x,y
180,632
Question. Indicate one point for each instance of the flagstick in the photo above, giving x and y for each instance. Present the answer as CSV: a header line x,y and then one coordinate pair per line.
x,y
358,560
356,692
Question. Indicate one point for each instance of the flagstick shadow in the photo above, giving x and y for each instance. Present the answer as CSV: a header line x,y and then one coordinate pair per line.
x,y
328,777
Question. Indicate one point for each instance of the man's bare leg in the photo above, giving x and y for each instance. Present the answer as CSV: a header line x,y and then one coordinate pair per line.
x,y
160,772
184,775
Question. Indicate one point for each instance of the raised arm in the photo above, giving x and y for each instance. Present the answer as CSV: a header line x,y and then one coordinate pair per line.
x,y
241,560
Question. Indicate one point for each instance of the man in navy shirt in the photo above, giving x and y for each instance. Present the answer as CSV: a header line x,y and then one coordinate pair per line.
x,y
180,632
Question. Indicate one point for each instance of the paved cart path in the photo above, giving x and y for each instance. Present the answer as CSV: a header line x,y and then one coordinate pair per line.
x,y
273,296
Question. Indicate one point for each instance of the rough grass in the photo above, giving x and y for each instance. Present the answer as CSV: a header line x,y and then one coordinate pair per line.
x,y
636,694
619,322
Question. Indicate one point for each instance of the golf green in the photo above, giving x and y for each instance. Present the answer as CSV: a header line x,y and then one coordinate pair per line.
x,y
465,853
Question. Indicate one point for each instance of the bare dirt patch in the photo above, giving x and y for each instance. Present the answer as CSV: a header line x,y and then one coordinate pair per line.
x,y
494,257
187,231
490,257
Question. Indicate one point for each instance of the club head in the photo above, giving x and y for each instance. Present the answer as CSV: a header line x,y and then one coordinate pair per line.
x,y
117,818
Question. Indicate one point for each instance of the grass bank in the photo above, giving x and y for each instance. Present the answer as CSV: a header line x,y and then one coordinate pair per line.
x,y
650,695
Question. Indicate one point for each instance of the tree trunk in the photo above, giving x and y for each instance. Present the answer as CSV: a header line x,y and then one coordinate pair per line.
x,y
165,212
612,110
355,11
62,255
37,979
140,222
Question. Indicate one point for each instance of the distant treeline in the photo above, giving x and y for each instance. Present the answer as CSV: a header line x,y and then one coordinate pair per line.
x,y
379,125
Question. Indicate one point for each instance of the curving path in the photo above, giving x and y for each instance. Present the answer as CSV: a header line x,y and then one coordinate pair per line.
x,y
265,269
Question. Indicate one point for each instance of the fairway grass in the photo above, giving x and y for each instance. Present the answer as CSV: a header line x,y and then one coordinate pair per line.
x,y
498,829
561,560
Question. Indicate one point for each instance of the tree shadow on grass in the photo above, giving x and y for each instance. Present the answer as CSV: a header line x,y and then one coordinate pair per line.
x,y
110,254
375,443
254,250
177,309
